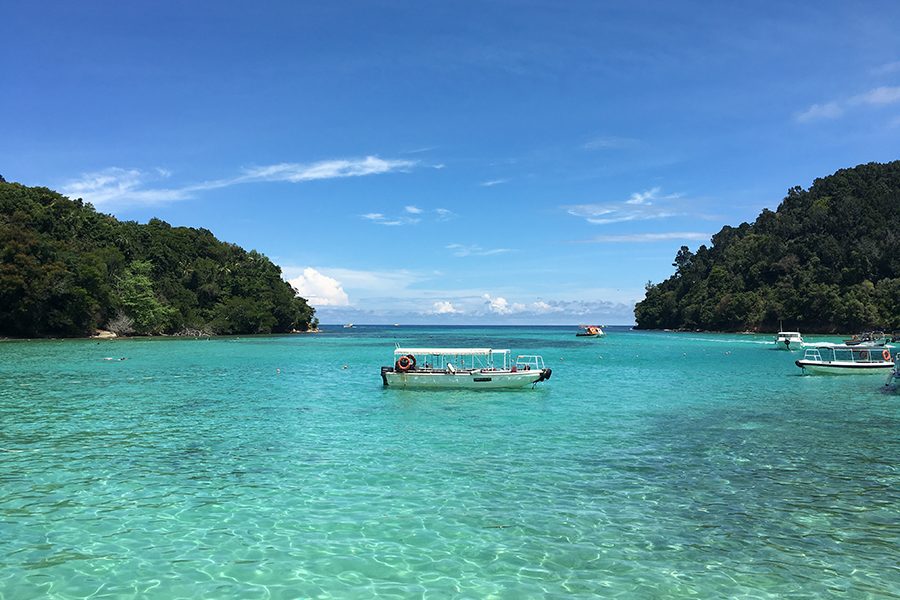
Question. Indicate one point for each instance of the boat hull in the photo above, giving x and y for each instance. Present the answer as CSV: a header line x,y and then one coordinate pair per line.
x,y
844,367
464,380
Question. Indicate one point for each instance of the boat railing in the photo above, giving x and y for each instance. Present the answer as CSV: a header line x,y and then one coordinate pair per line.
x,y
526,362
812,354
456,360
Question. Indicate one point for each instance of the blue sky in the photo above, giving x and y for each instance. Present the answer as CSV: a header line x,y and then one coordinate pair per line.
x,y
460,162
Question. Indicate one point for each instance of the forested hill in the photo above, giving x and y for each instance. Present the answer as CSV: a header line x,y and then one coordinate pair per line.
x,y
66,270
827,260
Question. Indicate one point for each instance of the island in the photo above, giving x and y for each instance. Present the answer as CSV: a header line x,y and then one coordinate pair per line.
x,y
827,260
67,270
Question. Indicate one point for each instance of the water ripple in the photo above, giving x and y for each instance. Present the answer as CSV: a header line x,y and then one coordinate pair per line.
x,y
651,465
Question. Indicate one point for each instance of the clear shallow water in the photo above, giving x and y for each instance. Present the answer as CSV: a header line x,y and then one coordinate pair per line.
x,y
651,465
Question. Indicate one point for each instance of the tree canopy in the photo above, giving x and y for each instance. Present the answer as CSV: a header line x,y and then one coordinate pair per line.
x,y
66,269
827,260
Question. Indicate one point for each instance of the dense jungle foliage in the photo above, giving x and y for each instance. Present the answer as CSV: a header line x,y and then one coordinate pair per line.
x,y
827,260
66,270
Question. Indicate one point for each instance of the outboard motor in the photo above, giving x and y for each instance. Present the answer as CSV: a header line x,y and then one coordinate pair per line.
x,y
383,376
545,375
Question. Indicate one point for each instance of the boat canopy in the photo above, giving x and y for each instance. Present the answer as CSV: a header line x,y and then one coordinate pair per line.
x,y
449,351
833,346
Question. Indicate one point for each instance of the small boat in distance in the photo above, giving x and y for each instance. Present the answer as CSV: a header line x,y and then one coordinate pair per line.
x,y
348,326
468,368
870,339
784,339
590,331
838,359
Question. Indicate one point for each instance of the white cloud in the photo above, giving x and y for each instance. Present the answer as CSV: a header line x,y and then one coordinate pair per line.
x,y
876,97
402,296
609,142
493,182
326,169
421,150
404,304
443,307
829,110
129,187
381,219
410,216
364,284
645,197
114,184
542,307
501,306
474,250
885,69
497,305
319,289
652,237
640,206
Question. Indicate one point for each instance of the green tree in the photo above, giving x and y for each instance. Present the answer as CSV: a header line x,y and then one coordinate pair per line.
x,y
137,300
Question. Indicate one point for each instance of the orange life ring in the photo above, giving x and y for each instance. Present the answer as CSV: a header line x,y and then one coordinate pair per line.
x,y
886,354
404,364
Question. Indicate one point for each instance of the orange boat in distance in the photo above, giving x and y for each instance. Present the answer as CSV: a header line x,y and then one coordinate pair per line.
x,y
590,331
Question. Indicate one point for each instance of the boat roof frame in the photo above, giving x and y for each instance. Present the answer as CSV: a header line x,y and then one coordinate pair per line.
x,y
450,351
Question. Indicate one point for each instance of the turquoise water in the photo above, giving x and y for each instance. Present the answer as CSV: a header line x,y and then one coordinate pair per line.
x,y
651,465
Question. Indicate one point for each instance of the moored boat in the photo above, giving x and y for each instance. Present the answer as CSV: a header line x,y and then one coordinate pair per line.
x,y
470,368
870,339
590,331
785,339
838,359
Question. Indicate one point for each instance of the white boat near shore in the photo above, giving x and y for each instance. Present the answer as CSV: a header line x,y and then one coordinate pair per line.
x,y
840,359
469,368
784,339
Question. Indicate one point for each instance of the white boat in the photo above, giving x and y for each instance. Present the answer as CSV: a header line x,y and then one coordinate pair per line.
x,y
842,359
348,326
784,339
470,368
